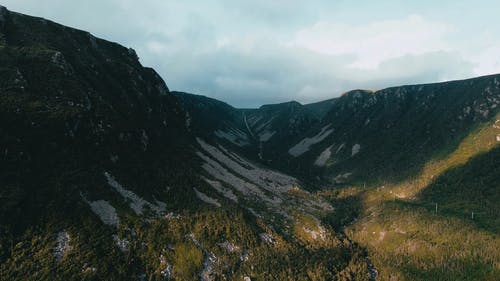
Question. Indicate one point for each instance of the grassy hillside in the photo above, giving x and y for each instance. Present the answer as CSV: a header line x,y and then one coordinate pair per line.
x,y
407,239
390,135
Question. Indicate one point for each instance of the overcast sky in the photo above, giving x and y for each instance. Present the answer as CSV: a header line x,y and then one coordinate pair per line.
x,y
255,52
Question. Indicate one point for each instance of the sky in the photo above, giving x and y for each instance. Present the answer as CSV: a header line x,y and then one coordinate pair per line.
x,y
254,52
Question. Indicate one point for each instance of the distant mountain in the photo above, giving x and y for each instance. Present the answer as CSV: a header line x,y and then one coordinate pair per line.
x,y
264,134
369,136
108,175
390,134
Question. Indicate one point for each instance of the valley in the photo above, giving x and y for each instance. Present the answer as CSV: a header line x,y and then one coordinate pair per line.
x,y
107,174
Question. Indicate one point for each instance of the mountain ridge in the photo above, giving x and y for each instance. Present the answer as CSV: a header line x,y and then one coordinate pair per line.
x,y
109,175
477,100
105,180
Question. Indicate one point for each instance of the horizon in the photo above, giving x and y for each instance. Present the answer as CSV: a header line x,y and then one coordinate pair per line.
x,y
373,91
252,54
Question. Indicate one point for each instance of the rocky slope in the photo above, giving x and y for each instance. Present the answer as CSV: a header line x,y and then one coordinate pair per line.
x,y
410,171
362,136
106,176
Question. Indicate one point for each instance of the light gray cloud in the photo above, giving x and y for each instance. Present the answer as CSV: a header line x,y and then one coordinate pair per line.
x,y
250,53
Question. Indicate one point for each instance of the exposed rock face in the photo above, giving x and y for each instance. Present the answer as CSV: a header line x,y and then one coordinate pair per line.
x,y
304,145
229,247
342,178
205,198
268,238
136,203
105,211
122,244
59,61
355,149
63,245
323,157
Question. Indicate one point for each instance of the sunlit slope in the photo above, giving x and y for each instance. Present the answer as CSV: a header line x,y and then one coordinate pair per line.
x,y
443,224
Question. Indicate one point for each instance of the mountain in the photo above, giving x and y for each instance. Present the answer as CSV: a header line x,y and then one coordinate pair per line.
x,y
386,161
108,175
264,134
73,104
363,136
105,176
390,134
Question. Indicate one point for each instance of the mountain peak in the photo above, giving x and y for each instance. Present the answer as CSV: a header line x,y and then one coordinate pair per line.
x,y
288,104
357,92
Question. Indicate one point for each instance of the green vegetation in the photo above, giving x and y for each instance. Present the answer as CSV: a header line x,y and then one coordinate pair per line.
x,y
187,261
408,240
420,200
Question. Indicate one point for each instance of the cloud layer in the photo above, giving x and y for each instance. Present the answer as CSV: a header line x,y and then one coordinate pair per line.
x,y
250,53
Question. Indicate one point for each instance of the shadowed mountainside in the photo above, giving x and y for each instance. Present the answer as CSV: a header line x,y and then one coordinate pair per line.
x,y
106,177
362,136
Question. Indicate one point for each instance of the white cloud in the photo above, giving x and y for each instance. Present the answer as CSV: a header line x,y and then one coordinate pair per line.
x,y
487,60
375,42
253,68
253,52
